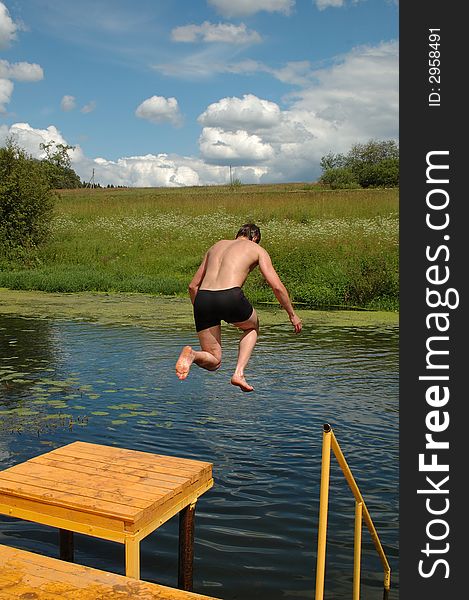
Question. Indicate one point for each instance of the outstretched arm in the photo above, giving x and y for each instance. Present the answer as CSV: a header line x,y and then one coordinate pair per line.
x,y
197,279
271,276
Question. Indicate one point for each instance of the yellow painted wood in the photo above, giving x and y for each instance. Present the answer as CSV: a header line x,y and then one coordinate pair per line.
x,y
74,489
27,575
112,493
124,453
53,497
144,529
135,458
157,514
94,530
43,513
122,471
132,557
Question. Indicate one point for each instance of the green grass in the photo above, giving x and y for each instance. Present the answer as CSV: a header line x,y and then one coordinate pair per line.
x,y
331,248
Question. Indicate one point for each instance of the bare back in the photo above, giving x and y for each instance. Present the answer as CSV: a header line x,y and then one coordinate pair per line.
x,y
228,263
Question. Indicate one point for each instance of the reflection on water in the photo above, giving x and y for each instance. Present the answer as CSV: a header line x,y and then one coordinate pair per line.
x,y
256,529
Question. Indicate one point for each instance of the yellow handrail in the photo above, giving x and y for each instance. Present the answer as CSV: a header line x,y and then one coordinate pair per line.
x,y
329,441
357,550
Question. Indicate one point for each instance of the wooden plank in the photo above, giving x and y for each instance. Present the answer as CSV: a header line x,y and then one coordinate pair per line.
x,y
104,450
69,476
148,461
45,473
159,474
28,575
132,557
160,464
93,506
141,460
8,479
155,516
43,498
63,518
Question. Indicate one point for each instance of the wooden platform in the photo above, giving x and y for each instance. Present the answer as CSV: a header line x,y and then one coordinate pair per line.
x,y
107,492
28,576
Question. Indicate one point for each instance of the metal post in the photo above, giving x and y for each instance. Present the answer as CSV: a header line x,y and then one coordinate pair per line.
x,y
323,507
357,549
186,547
66,545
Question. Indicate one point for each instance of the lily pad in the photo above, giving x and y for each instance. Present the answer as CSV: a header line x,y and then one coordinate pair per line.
x,y
127,406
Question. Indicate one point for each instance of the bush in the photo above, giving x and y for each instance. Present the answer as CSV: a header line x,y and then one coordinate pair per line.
x,y
383,174
374,164
60,177
340,178
26,203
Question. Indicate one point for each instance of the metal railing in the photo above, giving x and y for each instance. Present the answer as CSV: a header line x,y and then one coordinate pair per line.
x,y
329,442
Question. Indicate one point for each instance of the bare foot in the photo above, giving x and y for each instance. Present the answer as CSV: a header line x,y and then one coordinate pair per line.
x,y
184,362
241,382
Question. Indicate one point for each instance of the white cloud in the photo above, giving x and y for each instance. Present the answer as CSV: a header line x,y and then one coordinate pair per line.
x,y
21,71
138,171
7,27
161,170
271,138
6,90
247,112
207,64
30,139
233,147
68,103
238,8
90,107
225,33
356,98
323,4
158,109
352,100
143,171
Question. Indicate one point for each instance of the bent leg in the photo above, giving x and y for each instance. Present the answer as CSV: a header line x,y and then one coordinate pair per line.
x,y
209,357
247,342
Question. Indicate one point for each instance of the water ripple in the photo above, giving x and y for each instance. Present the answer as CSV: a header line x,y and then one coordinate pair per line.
x,y
256,529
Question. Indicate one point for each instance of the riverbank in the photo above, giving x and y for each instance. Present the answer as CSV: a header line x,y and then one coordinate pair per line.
x,y
161,311
331,248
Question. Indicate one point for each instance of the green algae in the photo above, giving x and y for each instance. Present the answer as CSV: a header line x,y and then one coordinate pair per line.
x,y
162,312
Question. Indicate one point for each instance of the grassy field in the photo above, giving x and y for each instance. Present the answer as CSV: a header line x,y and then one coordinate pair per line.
x,y
331,248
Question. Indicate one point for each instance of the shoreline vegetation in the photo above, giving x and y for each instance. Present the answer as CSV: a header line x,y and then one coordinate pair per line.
x,y
334,249
163,312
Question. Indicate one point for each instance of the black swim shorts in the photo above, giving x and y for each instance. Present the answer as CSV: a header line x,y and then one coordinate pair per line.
x,y
213,306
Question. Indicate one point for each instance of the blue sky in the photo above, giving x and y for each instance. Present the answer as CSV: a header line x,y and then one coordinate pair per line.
x,y
173,92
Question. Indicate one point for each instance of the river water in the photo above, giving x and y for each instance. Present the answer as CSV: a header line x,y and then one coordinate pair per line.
x,y
256,529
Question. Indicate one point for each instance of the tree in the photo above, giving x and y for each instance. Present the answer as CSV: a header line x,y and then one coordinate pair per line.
x,y
57,154
374,164
340,178
26,202
57,165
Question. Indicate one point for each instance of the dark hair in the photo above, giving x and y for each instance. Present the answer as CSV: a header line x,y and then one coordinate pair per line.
x,y
250,231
